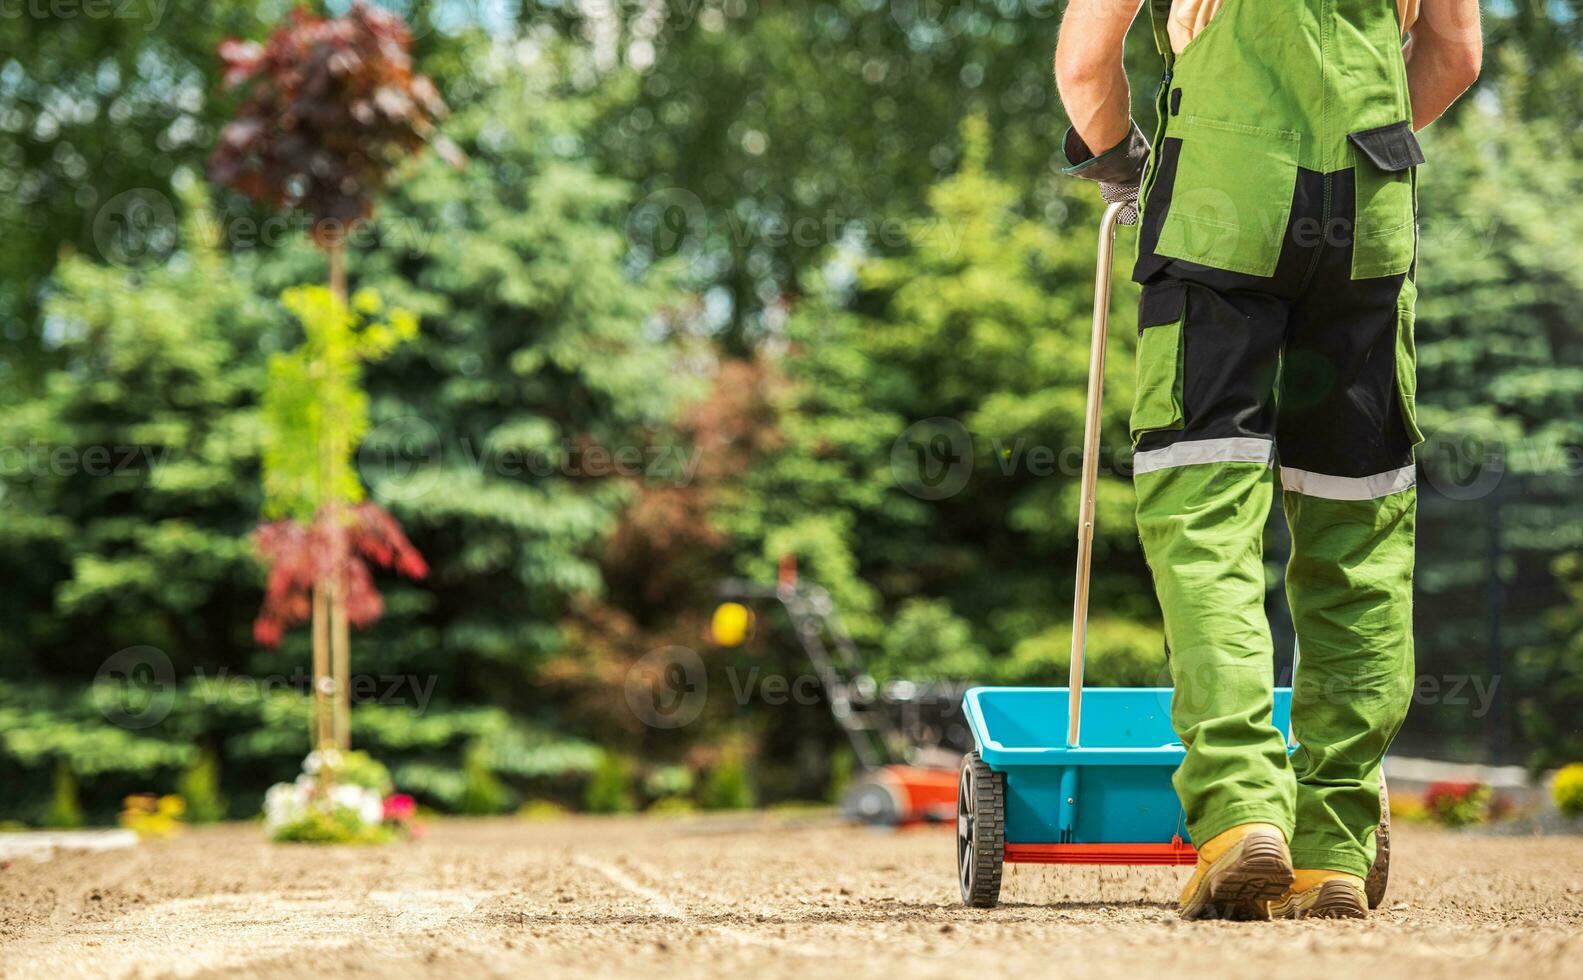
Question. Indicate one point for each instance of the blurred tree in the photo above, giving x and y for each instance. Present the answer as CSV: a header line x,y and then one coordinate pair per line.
x,y
1550,704
965,355
332,106
1501,396
130,490
102,106
320,535
509,436
512,433
765,135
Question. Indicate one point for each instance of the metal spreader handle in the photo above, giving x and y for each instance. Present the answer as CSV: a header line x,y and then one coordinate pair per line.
x,y
1124,212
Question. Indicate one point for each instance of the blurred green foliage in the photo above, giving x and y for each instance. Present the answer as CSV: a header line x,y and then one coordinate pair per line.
x,y
610,789
199,787
983,321
314,397
727,786
747,248
65,811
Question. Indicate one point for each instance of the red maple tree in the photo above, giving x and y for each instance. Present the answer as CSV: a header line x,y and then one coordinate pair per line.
x,y
300,556
331,105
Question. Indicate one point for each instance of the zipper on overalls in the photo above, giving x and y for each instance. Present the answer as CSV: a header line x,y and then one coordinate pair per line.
x,y
1162,109
1324,231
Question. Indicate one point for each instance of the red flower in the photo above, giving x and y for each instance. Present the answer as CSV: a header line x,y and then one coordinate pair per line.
x,y
1451,792
399,807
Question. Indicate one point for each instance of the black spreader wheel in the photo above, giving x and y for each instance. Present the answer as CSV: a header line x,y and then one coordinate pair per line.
x,y
980,832
1374,884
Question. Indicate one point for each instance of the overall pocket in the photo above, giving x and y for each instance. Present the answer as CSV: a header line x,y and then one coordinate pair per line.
x,y
1157,399
1383,235
1407,359
1232,195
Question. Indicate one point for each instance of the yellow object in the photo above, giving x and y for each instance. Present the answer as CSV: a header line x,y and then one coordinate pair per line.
x,y
152,816
1319,893
1306,878
731,625
1216,847
1567,789
1238,870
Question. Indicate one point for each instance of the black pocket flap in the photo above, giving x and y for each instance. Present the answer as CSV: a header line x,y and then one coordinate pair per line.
x,y
1391,148
1161,303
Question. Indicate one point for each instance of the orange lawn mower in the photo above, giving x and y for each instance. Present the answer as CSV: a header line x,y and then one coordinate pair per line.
x,y
907,737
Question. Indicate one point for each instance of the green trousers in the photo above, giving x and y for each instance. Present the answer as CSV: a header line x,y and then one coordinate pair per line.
x,y
1306,377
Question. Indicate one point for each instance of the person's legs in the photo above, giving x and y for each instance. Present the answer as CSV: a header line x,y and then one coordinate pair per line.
x,y
1346,436
1204,422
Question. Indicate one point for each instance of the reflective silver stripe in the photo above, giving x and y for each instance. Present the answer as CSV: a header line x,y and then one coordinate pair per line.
x,y
1349,487
1240,449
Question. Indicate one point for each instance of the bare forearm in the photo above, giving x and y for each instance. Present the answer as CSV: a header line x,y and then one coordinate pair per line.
x,y
1099,105
1443,57
1089,72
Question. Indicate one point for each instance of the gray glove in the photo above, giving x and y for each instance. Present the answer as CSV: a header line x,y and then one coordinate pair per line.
x,y
1119,170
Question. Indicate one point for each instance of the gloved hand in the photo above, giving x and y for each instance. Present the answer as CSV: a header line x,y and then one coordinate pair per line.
x,y
1119,170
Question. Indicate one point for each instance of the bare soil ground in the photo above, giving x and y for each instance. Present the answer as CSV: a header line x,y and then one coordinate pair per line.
x,y
743,896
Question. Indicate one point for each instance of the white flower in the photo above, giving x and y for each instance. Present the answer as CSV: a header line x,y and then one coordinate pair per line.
x,y
373,809
284,803
321,759
363,802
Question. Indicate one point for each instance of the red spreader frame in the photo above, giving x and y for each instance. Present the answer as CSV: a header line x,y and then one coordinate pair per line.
x,y
1176,852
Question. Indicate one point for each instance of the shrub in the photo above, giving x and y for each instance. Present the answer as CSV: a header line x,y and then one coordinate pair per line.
x,y
727,786
199,786
331,825
669,781
1567,789
354,768
340,798
482,794
672,806
1458,804
610,789
541,810
64,809
842,762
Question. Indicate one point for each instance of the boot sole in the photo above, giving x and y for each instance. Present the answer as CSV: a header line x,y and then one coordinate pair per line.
x,y
1240,885
1331,900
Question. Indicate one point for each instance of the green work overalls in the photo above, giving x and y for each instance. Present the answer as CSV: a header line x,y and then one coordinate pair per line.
x,y
1276,253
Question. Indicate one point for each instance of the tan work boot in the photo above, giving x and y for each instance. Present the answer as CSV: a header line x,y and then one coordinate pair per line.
x,y
1238,872
1322,894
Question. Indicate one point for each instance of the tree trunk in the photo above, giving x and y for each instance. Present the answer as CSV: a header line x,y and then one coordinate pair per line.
x,y
322,736
337,253
341,666
340,631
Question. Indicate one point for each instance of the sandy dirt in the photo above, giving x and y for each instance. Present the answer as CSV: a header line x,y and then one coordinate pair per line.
x,y
753,896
